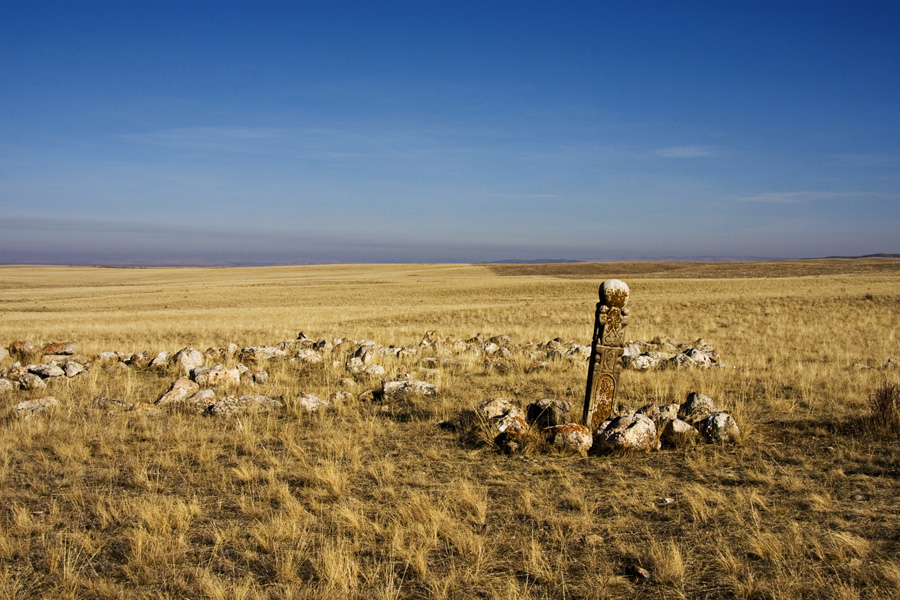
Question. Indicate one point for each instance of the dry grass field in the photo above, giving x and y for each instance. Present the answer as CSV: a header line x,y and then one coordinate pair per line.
x,y
375,500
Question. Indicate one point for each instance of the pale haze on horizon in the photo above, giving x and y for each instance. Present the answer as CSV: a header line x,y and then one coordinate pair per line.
x,y
275,132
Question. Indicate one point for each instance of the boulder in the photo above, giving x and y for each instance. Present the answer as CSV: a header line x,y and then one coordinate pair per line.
x,y
340,397
258,354
571,436
626,432
201,401
641,362
187,360
494,407
511,420
677,433
696,408
402,390
139,360
29,408
108,357
250,376
67,348
236,405
216,376
311,403
30,381
160,361
180,390
14,371
45,371
307,356
548,412
719,427
511,441
22,349
73,368
431,338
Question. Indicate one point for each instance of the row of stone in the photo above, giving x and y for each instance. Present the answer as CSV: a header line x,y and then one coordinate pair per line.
x,y
649,428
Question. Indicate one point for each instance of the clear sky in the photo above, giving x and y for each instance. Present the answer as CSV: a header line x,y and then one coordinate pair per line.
x,y
330,131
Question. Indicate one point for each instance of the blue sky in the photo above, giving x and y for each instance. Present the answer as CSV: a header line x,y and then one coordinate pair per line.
x,y
292,132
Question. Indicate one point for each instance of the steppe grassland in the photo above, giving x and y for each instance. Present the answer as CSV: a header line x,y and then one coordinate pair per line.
x,y
372,501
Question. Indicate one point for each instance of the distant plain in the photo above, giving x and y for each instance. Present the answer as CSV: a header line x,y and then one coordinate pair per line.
x,y
373,501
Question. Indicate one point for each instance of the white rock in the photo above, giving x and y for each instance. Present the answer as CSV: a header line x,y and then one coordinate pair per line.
x,y
187,360
180,390
311,403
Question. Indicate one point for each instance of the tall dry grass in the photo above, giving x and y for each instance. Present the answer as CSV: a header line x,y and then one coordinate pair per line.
x,y
375,500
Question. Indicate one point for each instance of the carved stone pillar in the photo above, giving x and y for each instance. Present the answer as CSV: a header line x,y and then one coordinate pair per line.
x,y
606,350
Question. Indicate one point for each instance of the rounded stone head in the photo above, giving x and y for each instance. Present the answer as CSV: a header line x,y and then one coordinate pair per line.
x,y
614,293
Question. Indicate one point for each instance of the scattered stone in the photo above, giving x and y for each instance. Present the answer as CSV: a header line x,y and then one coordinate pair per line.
x,y
235,405
117,368
402,390
6,386
45,371
859,497
340,397
160,361
22,349
202,400
370,396
494,407
665,501
30,381
311,403
139,360
626,432
73,368
67,348
433,362
187,359
677,433
503,366
108,357
307,356
890,364
511,420
14,371
571,436
258,354
696,408
512,440
29,408
366,370
216,376
548,412
257,377
181,389
431,338
719,427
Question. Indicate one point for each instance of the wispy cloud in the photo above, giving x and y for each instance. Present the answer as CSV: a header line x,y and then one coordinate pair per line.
x,y
687,152
225,139
806,197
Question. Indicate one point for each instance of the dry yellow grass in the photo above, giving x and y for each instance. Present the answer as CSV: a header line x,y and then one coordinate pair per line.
x,y
377,501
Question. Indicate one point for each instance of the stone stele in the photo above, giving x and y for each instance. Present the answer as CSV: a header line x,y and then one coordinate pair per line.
x,y
606,350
